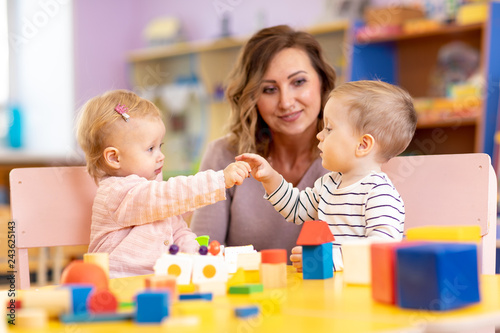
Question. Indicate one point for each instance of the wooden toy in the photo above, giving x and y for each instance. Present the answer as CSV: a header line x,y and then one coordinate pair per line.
x,y
102,301
32,318
231,255
437,276
214,248
179,265
151,306
357,262
237,278
248,288
383,271
95,317
101,259
250,263
79,272
315,238
195,296
216,288
54,301
79,295
246,311
273,268
209,269
203,240
167,282
463,233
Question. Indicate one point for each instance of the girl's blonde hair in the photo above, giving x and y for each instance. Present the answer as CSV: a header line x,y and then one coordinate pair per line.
x,y
383,110
248,131
95,119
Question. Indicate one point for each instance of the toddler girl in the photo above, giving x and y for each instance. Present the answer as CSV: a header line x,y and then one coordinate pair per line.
x,y
136,215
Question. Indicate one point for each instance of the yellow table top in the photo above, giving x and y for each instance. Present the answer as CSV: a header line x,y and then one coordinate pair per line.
x,y
305,305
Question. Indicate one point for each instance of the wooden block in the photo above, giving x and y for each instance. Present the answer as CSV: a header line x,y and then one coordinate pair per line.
x,y
237,278
179,265
273,275
471,233
437,276
209,269
54,301
246,288
252,276
216,288
100,259
102,301
317,262
249,261
246,311
231,255
357,262
32,318
152,306
166,282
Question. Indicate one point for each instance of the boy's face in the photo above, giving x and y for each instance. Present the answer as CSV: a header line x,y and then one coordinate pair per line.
x,y
139,144
338,140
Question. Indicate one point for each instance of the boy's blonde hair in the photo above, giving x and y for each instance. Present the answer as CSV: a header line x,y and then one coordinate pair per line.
x,y
383,110
95,119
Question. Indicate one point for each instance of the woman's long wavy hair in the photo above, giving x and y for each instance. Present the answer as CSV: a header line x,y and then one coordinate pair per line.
x,y
248,132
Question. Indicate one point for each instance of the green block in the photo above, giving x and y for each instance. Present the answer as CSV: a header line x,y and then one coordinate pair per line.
x,y
246,288
203,240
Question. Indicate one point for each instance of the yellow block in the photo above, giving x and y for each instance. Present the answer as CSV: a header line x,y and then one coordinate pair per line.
x,y
467,233
252,276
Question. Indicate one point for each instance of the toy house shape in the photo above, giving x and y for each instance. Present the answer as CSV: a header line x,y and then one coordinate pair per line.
x,y
317,262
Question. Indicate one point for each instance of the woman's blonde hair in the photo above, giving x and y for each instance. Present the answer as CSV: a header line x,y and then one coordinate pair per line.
x,y
381,109
248,132
95,118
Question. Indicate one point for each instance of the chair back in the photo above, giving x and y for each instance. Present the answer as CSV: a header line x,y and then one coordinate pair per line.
x,y
454,189
50,206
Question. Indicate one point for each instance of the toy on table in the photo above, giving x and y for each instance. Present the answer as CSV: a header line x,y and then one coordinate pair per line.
x,y
273,268
316,240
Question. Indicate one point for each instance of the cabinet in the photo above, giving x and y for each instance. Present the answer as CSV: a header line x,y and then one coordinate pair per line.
x,y
205,65
410,59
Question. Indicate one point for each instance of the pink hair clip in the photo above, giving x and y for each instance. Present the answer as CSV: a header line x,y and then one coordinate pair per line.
x,y
122,110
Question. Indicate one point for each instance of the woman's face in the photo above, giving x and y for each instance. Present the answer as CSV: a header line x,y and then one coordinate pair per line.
x,y
290,99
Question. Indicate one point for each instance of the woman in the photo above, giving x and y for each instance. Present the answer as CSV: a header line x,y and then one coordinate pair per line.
x,y
277,92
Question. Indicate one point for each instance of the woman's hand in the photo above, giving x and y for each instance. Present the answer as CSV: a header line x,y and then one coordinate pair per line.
x,y
296,258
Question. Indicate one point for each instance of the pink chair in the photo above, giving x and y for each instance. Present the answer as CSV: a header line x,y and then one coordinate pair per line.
x,y
458,189
50,207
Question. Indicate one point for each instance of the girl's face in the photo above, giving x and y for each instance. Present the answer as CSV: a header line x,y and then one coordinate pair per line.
x,y
139,144
290,99
338,140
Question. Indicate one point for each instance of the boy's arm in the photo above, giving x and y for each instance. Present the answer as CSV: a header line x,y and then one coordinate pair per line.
x,y
262,171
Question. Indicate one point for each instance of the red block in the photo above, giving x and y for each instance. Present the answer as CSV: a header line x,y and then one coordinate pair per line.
x,y
383,259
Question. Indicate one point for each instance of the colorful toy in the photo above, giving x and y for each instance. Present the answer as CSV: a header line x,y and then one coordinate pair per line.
x,y
101,259
246,311
437,276
195,296
315,238
248,288
102,301
214,247
163,282
357,262
151,306
79,296
273,268
179,265
209,269
54,301
32,319
79,272
203,250
231,255
465,233
203,240
250,263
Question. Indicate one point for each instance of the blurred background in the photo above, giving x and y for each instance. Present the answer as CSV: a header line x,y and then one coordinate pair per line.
x,y
56,54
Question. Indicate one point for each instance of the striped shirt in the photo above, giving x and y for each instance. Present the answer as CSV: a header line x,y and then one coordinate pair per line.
x,y
370,208
136,220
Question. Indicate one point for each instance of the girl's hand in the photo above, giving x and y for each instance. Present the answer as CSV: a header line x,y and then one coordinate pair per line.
x,y
296,258
235,173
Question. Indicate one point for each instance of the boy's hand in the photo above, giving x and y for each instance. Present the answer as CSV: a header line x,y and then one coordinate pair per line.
x,y
296,258
235,173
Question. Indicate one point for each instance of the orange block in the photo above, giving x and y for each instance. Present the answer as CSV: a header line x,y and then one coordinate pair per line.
x,y
383,260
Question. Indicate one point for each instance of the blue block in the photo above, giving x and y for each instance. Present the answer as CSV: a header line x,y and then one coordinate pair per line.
x,y
246,311
317,262
195,296
437,276
80,293
151,306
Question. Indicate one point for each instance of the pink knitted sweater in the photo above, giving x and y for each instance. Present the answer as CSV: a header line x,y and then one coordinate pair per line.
x,y
135,220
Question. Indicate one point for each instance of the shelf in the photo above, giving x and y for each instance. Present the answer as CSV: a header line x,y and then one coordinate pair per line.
x,y
449,29
186,48
453,121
